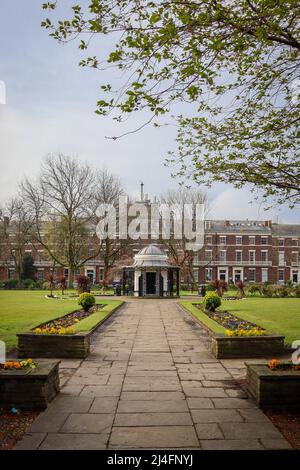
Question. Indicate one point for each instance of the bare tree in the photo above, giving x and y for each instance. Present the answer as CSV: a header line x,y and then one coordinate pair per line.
x,y
16,229
109,190
64,201
179,249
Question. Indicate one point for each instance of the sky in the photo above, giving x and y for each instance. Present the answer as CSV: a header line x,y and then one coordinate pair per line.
x,y
50,103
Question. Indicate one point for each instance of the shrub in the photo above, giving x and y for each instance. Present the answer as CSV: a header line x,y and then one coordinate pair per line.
x,y
283,291
297,291
10,283
241,289
254,289
220,286
83,284
27,283
267,290
211,301
209,288
62,283
86,301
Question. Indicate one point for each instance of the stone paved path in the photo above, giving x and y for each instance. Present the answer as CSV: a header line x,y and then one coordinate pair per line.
x,y
150,382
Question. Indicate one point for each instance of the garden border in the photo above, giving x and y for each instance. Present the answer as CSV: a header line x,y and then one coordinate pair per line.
x,y
30,389
234,347
276,389
59,346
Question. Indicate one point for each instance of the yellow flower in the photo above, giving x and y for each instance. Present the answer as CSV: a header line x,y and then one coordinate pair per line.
x,y
229,333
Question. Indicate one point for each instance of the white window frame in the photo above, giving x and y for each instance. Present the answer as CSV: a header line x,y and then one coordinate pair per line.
x,y
252,262
222,237
264,275
240,238
208,278
241,256
252,240
267,256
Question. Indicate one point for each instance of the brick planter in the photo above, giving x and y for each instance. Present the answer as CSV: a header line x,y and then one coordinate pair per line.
x,y
226,347
231,347
52,346
30,389
278,389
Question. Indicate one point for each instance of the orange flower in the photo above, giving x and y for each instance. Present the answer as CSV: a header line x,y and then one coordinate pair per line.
x,y
274,363
17,365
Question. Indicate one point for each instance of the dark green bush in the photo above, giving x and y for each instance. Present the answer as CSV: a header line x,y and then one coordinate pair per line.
x,y
10,283
27,283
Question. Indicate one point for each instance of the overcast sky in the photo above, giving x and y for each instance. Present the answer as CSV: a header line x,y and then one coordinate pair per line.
x,y
50,107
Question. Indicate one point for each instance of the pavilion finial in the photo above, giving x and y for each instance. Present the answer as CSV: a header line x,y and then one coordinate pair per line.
x,y
142,191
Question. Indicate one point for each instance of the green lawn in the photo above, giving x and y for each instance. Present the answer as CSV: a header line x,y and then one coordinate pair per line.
x,y
281,316
23,310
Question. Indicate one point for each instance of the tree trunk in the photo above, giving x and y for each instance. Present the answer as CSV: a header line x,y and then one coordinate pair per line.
x,y
71,277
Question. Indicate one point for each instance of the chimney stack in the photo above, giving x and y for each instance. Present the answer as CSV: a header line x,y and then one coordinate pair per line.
x,y
142,191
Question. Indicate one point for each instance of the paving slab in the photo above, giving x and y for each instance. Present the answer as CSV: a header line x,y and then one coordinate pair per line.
x,y
74,442
154,437
153,419
231,444
88,423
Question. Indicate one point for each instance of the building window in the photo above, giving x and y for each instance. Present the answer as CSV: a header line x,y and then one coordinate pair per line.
x,y
264,256
66,272
251,275
222,240
40,275
252,257
281,258
295,277
264,240
264,275
238,256
208,274
196,259
196,275
222,255
280,276
101,274
281,242
208,240
238,240
251,240
11,273
90,252
208,255
295,258
295,242
223,275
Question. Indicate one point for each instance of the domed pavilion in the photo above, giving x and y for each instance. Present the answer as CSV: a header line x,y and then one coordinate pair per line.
x,y
151,275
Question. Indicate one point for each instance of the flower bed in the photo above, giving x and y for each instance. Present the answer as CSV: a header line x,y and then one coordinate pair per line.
x,y
61,325
28,385
227,342
52,340
275,385
234,325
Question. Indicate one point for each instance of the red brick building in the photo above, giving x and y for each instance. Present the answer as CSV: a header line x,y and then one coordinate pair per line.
x,y
252,251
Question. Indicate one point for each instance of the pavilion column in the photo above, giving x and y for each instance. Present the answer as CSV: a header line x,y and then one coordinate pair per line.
x,y
144,285
177,282
137,274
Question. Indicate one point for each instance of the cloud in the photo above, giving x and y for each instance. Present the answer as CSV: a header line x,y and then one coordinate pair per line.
x,y
240,204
